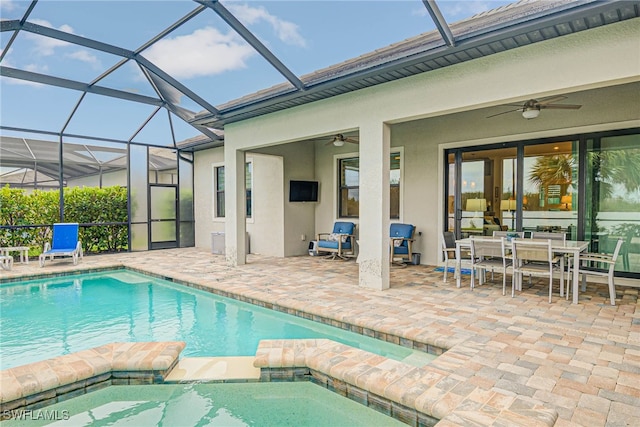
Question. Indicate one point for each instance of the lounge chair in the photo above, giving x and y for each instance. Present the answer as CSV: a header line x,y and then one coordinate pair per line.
x,y
64,243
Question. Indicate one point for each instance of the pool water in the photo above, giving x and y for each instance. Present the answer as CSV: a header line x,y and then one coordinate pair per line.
x,y
46,318
248,404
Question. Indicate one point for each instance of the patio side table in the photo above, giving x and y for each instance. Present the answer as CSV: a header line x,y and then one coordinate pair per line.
x,y
23,251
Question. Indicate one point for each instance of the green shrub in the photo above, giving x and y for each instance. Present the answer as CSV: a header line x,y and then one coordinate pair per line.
x,y
82,205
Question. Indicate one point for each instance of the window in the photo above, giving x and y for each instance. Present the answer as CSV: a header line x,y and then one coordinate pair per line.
x,y
349,187
218,172
219,186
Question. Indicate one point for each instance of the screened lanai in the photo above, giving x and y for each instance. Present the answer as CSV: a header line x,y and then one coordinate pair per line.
x,y
120,94
87,104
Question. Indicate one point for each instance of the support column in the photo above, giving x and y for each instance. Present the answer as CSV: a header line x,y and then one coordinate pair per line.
x,y
373,232
235,210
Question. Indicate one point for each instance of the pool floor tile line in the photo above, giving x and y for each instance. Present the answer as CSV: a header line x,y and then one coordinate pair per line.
x,y
493,336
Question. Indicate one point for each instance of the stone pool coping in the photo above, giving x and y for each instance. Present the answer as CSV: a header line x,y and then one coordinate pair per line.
x,y
49,381
415,395
403,391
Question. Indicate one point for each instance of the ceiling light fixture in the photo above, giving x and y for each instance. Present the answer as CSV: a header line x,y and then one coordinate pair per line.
x,y
338,142
530,113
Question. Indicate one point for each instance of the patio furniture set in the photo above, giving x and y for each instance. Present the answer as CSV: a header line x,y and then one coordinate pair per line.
x,y
64,243
340,243
544,254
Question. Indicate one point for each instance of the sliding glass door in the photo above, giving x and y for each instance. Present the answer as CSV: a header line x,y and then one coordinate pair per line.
x,y
587,187
612,205
550,196
475,200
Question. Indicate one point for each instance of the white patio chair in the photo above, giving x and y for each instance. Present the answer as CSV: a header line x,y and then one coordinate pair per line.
x,y
602,265
6,261
533,258
488,253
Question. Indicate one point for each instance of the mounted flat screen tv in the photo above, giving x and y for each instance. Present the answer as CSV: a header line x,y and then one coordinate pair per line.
x,y
303,191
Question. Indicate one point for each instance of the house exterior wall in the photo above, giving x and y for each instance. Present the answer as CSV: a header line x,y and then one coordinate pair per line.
x,y
298,220
445,108
266,226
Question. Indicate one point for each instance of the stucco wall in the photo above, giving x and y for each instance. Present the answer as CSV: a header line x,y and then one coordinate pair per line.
x,y
266,225
448,107
299,217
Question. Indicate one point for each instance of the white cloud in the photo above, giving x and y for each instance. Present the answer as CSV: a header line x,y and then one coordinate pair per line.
x,y
30,67
85,56
204,52
46,46
286,31
37,68
7,6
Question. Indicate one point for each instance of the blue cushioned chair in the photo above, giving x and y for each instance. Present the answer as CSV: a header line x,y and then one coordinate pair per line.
x,y
401,241
340,242
64,243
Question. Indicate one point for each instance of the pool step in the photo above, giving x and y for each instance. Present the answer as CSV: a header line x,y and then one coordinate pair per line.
x,y
418,358
204,369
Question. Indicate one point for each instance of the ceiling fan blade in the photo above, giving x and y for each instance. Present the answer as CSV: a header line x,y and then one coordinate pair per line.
x,y
561,106
504,112
549,100
351,140
330,141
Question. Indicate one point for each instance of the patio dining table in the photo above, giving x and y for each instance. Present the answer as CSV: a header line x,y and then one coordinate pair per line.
x,y
570,247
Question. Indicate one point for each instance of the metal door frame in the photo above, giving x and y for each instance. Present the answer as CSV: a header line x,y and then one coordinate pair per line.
x,y
168,244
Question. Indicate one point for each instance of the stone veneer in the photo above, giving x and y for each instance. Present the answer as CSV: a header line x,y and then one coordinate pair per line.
x,y
43,383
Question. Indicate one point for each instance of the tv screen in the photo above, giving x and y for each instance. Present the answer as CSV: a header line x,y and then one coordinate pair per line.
x,y
303,191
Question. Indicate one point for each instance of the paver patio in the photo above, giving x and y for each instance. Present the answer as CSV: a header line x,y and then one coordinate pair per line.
x,y
581,360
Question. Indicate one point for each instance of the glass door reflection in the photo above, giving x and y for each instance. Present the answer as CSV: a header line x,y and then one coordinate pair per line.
x,y
550,196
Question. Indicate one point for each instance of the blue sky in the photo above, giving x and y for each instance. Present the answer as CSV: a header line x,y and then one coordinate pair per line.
x,y
204,54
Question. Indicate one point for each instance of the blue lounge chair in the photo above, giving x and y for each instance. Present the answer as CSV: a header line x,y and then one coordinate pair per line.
x,y
64,243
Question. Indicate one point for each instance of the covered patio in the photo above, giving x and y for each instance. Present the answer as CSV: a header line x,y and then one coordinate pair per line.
x,y
502,354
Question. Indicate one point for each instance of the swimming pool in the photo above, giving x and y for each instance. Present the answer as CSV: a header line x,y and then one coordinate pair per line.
x,y
250,404
51,317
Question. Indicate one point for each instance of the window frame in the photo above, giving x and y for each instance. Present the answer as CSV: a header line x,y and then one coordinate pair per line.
x,y
248,191
337,158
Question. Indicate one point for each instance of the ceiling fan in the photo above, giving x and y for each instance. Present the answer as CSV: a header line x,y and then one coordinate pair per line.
x,y
531,108
339,140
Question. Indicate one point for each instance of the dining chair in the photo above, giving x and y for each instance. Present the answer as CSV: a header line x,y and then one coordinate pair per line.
x,y
488,253
602,265
533,258
564,260
448,241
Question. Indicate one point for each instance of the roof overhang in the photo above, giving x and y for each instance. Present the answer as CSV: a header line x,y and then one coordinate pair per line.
x,y
512,27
